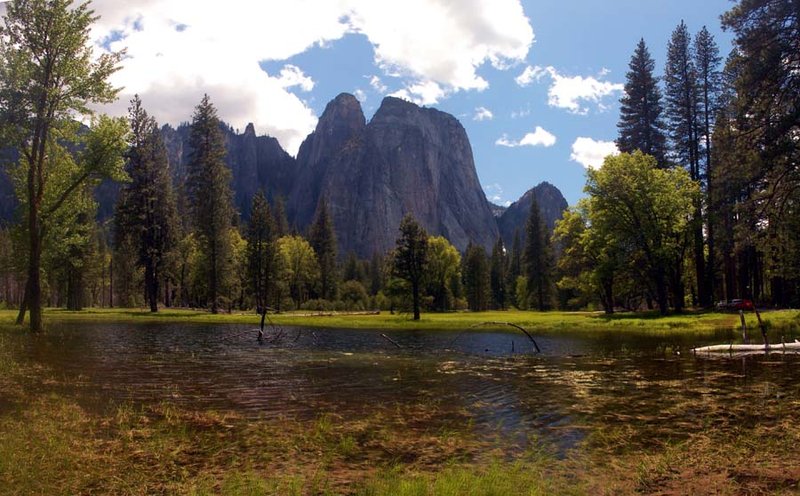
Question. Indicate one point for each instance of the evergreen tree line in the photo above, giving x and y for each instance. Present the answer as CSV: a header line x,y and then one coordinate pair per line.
x,y
703,204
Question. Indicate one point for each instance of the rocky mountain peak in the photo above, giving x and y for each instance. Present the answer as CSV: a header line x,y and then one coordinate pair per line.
x,y
551,205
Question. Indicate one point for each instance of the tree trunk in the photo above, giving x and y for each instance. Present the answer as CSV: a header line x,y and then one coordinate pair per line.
x,y
415,298
34,262
700,258
151,285
74,290
23,305
111,283
214,276
661,292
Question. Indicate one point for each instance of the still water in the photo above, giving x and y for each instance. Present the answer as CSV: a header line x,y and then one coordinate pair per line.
x,y
489,382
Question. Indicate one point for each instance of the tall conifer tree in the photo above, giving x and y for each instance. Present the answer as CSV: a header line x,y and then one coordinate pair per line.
x,y
498,275
640,125
707,62
210,198
145,210
538,260
323,239
411,257
262,264
680,78
476,274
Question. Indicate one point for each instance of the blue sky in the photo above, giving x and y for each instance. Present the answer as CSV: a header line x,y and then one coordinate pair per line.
x,y
277,63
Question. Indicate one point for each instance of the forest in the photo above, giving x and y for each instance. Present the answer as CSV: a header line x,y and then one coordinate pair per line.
x,y
700,206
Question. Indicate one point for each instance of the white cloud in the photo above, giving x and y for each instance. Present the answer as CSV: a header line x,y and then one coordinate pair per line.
x,y
572,92
291,76
539,137
591,153
360,95
529,75
377,85
494,193
180,49
518,114
442,40
424,93
483,114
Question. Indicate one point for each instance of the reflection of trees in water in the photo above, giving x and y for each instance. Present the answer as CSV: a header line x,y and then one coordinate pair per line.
x,y
647,390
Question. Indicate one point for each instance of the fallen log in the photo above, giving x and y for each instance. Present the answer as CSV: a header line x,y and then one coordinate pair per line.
x,y
762,348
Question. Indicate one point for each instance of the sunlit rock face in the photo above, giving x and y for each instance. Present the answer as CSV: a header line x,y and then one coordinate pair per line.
x,y
406,159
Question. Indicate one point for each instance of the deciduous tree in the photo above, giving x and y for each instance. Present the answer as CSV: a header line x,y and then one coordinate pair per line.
x,y
49,75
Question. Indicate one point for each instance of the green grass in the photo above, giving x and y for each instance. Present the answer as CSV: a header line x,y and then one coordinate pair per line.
x,y
787,321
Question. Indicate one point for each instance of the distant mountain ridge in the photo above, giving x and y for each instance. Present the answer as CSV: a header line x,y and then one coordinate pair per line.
x,y
406,159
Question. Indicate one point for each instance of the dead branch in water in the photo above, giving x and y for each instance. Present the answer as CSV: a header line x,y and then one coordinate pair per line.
x,y
387,338
536,346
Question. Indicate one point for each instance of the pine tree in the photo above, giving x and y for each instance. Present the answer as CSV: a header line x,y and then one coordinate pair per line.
x,y
680,81
766,124
538,260
499,275
281,222
515,269
210,197
146,207
376,274
680,78
323,239
410,257
476,276
262,260
640,125
707,61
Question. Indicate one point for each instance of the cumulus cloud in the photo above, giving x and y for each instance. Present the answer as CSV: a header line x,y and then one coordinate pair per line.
x,y
529,75
572,92
179,49
591,153
441,40
291,76
539,137
483,114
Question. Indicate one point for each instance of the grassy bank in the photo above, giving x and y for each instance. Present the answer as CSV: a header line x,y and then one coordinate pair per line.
x,y
50,444
540,322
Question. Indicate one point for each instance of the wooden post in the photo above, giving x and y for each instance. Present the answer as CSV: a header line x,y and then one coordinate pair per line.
x,y
744,328
761,326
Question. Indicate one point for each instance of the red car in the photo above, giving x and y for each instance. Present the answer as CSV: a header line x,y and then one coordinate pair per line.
x,y
737,304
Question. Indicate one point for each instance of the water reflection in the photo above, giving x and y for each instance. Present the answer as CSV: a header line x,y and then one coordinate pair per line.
x,y
579,384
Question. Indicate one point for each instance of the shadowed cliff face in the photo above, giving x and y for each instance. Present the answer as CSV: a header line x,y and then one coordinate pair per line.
x,y
256,162
341,124
551,204
407,159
